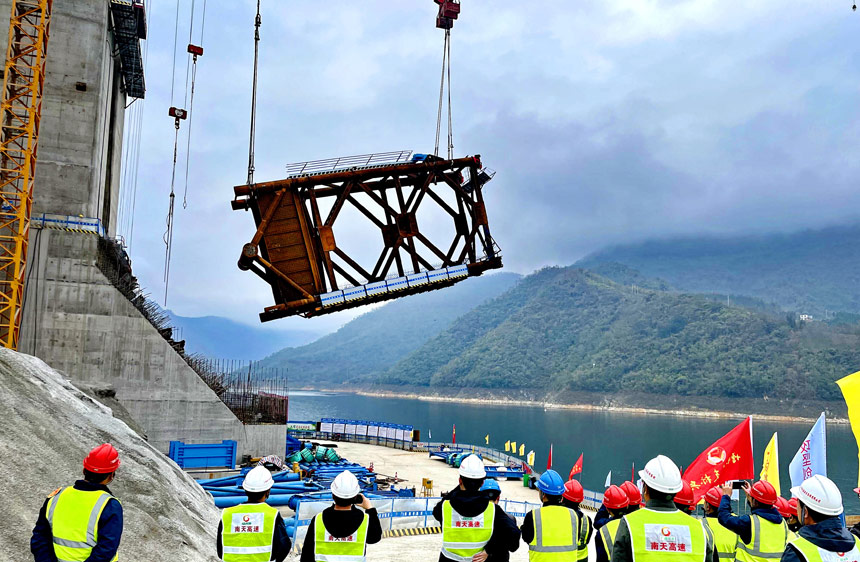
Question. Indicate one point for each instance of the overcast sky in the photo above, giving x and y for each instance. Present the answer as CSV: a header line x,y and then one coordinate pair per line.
x,y
607,122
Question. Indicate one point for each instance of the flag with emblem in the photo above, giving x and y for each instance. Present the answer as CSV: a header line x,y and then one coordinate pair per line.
x,y
728,458
577,467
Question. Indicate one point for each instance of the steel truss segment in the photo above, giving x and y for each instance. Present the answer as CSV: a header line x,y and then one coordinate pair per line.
x,y
298,250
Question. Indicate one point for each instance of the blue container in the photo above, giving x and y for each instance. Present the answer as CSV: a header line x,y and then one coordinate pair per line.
x,y
208,455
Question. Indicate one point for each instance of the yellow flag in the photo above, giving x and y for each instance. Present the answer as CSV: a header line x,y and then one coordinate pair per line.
x,y
487,439
522,449
507,446
770,463
531,458
850,387
514,447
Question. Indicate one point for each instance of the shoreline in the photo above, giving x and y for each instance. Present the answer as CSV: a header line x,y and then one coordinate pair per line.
x,y
633,410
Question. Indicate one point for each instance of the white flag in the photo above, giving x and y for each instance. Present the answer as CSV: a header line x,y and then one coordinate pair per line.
x,y
429,434
608,480
811,458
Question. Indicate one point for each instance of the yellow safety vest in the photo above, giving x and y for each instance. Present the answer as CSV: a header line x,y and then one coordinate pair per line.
x,y
725,540
607,534
767,541
584,531
464,537
556,534
666,535
247,533
74,519
328,548
811,553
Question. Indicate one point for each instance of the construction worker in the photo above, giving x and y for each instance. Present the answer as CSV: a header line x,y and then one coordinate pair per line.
x,y
633,494
254,530
615,501
725,541
472,525
571,498
855,528
783,506
685,500
822,537
551,531
762,534
83,521
660,531
793,523
342,531
494,494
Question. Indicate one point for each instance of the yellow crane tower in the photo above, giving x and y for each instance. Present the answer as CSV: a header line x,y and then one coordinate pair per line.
x,y
20,113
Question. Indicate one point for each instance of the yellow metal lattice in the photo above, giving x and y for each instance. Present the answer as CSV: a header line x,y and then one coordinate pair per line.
x,y
20,113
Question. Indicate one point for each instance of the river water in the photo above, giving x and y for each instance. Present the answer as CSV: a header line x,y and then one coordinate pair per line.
x,y
609,440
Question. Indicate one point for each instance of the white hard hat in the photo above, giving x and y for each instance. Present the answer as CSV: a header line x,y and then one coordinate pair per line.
x,y
662,474
819,494
345,486
258,479
472,467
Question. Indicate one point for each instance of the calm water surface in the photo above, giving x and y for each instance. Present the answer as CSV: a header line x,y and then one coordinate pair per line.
x,y
609,440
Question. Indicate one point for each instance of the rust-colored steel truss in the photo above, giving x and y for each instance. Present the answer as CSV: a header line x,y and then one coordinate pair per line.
x,y
20,114
296,250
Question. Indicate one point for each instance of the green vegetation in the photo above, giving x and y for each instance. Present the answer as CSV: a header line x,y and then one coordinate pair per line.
x,y
376,340
813,272
570,329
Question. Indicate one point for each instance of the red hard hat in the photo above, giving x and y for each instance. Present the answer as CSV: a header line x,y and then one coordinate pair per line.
x,y
793,504
714,496
784,507
573,491
615,498
763,492
685,496
102,460
633,493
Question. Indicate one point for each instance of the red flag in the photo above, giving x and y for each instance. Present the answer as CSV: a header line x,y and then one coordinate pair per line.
x,y
454,435
549,459
577,468
729,458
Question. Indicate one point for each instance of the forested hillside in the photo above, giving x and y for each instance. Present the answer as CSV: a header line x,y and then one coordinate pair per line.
x,y
374,341
570,329
814,271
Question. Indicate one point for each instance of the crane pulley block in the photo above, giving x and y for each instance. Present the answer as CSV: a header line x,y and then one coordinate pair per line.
x,y
449,10
195,50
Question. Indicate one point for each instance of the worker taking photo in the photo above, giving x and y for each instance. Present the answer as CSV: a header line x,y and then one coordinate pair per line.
x,y
762,535
82,522
342,531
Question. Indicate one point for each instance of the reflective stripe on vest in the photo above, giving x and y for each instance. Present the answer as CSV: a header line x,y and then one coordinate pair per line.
x,y
248,531
584,531
666,535
464,537
767,541
811,553
726,541
73,516
328,548
556,533
607,534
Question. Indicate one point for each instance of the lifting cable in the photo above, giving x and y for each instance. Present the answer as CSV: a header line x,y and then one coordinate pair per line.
x,y
180,114
446,71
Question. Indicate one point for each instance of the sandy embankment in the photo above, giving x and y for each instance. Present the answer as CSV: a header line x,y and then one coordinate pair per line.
x,y
412,467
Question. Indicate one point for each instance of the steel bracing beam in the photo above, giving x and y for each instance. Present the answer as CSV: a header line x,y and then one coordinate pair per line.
x,y
292,238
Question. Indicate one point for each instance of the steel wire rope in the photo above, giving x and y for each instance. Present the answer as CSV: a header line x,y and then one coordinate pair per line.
x,y
441,91
450,119
193,59
137,152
